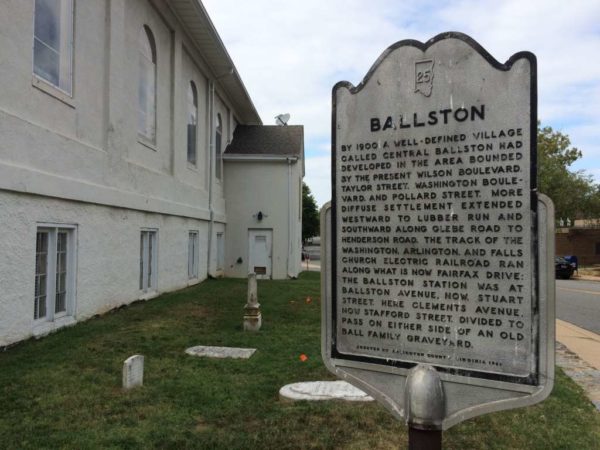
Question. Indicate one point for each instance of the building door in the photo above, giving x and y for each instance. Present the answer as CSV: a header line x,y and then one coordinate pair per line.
x,y
260,251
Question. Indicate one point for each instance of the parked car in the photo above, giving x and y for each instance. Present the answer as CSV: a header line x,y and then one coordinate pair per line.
x,y
563,268
574,261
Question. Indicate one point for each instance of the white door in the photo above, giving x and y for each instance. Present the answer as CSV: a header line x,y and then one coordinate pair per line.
x,y
260,253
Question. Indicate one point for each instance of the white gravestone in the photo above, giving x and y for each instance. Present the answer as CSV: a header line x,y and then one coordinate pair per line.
x,y
220,352
323,390
252,314
133,372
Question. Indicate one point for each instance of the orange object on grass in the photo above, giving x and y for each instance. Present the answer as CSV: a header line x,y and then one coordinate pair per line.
x,y
303,357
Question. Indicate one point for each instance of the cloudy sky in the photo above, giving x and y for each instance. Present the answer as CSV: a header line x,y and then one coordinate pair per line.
x,y
290,54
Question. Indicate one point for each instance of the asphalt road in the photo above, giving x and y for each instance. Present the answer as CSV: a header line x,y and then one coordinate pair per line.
x,y
578,302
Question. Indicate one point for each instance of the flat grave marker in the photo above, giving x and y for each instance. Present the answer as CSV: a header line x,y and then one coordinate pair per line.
x,y
220,352
323,390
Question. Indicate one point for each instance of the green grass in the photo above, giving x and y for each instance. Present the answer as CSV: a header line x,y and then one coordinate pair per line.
x,y
63,391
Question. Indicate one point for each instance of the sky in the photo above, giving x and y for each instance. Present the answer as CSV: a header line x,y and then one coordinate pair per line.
x,y
291,54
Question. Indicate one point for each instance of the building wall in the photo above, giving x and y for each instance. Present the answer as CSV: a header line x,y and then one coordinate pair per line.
x,y
580,242
107,257
78,160
34,102
196,175
263,186
86,147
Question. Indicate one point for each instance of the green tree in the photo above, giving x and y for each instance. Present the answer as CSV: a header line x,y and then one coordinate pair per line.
x,y
574,193
310,214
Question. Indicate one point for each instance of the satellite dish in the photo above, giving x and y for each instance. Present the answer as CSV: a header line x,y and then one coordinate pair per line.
x,y
282,119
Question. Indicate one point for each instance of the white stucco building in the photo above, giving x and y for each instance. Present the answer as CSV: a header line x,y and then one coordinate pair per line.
x,y
132,161
264,166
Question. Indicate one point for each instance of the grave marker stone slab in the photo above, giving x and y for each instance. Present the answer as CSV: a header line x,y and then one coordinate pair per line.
x,y
438,244
220,352
323,390
252,314
133,372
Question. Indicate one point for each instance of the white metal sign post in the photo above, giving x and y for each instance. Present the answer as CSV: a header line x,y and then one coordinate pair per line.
x,y
436,264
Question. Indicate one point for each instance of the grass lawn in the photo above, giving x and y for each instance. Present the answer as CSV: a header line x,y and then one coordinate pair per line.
x,y
64,391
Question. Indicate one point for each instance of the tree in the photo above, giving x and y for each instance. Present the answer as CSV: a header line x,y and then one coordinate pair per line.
x,y
574,193
310,214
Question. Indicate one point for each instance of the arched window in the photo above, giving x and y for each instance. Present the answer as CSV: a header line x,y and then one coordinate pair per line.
x,y
147,85
192,123
218,140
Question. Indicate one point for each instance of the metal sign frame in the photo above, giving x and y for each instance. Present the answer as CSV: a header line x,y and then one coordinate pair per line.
x,y
468,392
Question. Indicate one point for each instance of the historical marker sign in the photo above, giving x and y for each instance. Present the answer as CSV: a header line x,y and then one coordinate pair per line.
x,y
435,254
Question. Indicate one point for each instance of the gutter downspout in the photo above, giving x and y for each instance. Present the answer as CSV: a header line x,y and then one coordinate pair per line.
x,y
211,146
290,243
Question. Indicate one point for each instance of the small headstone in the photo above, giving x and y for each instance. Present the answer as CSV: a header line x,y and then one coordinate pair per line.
x,y
323,390
133,372
220,352
252,314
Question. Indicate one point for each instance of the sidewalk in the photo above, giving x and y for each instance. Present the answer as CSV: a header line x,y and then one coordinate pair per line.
x,y
311,266
586,278
578,354
583,342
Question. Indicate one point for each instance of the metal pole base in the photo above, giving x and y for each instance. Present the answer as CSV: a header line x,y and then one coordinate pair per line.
x,y
426,407
424,439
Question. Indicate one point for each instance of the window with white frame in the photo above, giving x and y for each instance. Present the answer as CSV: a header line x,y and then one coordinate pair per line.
x,y
53,42
193,254
147,85
220,251
54,272
192,124
218,142
148,260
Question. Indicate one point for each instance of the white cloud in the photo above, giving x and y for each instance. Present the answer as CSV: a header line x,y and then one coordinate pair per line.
x,y
290,54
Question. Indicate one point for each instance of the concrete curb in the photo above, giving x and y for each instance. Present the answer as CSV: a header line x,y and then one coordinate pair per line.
x,y
586,376
578,353
584,343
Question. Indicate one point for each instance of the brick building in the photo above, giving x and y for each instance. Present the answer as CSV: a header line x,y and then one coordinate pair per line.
x,y
581,241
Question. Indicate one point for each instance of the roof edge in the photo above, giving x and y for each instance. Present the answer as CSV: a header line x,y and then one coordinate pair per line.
x,y
258,157
204,19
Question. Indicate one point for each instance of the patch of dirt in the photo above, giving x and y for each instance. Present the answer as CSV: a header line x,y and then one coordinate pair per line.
x,y
201,425
191,310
